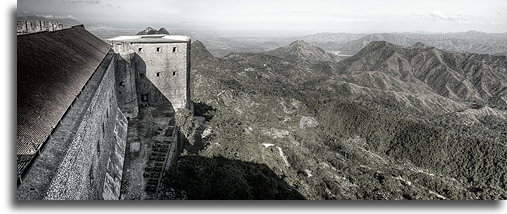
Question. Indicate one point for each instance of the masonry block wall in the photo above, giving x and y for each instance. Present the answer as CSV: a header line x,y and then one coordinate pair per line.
x,y
166,68
82,157
161,68
87,149
126,83
33,26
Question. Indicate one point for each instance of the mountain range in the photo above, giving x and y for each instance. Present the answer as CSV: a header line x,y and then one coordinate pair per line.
x,y
470,41
389,122
346,44
463,76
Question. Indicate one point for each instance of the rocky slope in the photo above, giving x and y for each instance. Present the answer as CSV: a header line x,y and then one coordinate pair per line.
x,y
301,51
462,76
150,31
366,128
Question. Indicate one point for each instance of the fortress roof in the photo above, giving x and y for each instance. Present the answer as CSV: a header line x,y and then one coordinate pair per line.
x,y
154,38
52,68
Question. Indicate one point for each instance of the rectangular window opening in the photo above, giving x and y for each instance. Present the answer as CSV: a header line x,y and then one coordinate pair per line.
x,y
158,74
122,84
98,147
140,49
174,73
174,49
158,49
144,98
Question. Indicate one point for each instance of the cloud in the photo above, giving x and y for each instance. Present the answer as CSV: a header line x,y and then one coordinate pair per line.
x,y
436,16
82,1
444,17
112,6
51,16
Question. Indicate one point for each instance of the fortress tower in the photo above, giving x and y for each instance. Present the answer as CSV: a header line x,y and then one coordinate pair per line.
x,y
77,112
160,65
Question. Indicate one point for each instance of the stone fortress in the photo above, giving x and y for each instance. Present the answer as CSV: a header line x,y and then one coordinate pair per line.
x,y
96,119
34,26
167,62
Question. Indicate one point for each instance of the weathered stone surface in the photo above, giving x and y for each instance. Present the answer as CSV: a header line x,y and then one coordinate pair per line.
x,y
162,67
87,150
126,84
52,69
85,155
135,147
33,26
307,122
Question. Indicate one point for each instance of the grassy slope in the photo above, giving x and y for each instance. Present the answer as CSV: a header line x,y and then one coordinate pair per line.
x,y
362,148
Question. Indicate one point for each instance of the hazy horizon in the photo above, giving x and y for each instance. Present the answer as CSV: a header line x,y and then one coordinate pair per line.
x,y
289,18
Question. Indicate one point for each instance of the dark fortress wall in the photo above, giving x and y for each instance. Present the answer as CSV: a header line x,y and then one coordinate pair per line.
x,y
52,67
84,157
126,84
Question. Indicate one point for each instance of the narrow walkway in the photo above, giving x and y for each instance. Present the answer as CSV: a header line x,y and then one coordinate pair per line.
x,y
151,145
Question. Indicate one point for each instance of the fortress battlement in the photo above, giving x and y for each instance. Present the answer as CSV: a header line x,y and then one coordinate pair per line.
x,y
80,101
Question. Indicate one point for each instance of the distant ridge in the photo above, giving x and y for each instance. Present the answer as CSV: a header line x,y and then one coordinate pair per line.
x,y
150,31
301,51
465,76
470,41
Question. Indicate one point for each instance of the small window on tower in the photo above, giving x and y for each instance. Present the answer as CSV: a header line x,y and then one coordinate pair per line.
x,y
140,49
122,84
174,73
144,98
141,75
158,74
174,49
158,49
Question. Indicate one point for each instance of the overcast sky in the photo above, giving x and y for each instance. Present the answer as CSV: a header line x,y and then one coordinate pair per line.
x,y
248,17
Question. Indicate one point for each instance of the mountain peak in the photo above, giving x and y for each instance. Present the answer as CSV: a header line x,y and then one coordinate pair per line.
x,y
163,31
150,30
299,43
419,45
300,50
380,44
199,51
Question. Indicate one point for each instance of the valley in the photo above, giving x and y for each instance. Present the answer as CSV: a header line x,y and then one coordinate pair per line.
x,y
371,126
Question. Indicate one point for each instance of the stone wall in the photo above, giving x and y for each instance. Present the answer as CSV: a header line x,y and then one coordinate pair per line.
x,y
83,158
33,26
126,84
52,69
163,65
165,68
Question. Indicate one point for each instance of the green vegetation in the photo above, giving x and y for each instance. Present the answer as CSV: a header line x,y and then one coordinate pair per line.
x,y
370,142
